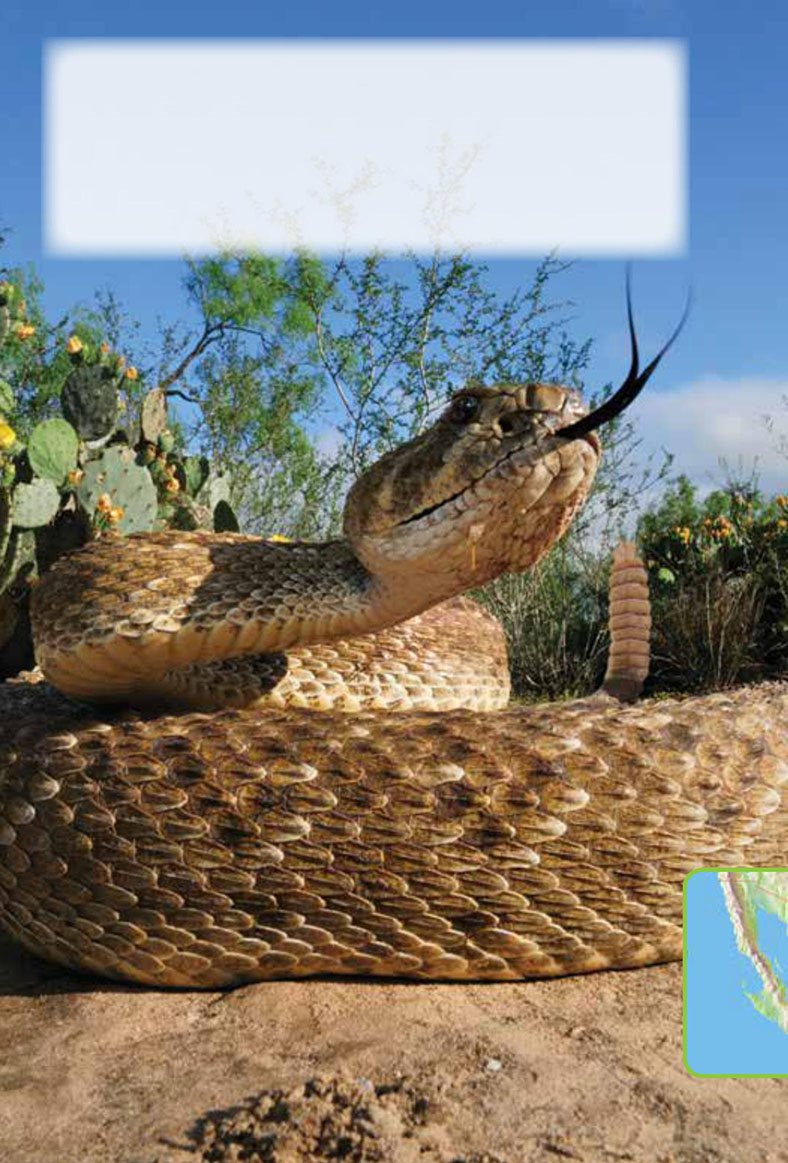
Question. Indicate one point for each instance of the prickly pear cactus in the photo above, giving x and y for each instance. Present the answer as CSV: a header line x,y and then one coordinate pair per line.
x,y
90,400
35,504
52,449
115,486
77,476
153,420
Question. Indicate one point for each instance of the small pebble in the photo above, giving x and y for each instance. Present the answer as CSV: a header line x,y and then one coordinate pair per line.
x,y
493,1065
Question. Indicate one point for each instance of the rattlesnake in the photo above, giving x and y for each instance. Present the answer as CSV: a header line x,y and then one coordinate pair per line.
x,y
207,848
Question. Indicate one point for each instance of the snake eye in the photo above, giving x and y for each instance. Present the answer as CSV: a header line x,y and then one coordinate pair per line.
x,y
464,409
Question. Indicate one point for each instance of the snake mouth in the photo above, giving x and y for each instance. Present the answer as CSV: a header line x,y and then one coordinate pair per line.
x,y
422,513
590,438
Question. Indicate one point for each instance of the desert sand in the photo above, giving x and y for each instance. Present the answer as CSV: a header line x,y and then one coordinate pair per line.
x,y
584,1068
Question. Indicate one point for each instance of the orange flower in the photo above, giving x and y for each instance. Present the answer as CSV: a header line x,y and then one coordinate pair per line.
x,y
24,330
172,485
75,476
74,345
132,373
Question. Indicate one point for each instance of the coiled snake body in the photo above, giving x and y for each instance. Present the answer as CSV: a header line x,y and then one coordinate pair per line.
x,y
212,847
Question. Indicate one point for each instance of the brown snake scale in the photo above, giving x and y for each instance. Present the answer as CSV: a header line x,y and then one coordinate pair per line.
x,y
208,848
191,851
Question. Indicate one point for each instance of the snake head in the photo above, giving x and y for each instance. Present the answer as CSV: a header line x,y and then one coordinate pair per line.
x,y
491,486
487,489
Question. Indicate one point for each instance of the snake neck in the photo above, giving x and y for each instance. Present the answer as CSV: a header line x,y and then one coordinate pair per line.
x,y
301,593
181,599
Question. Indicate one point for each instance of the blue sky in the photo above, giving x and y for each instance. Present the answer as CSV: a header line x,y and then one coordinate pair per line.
x,y
732,363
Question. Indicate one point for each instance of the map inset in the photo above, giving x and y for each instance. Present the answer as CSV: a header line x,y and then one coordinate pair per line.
x,y
735,987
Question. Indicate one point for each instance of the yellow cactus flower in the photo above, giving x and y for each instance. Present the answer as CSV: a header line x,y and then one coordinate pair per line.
x,y
782,500
683,533
116,514
75,476
132,373
7,435
278,538
24,330
74,345
104,503
105,349
782,523
172,485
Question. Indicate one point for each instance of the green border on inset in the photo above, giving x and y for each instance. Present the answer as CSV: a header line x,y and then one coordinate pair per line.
x,y
687,879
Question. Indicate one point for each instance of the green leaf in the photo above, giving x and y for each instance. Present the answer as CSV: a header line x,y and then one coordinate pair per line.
x,y
666,575
52,449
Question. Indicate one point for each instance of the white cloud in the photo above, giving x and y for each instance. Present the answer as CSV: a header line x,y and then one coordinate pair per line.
x,y
717,419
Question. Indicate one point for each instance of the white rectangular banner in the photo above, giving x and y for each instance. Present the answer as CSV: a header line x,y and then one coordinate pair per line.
x,y
153,148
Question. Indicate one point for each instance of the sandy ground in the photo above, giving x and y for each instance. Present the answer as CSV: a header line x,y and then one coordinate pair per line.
x,y
579,1068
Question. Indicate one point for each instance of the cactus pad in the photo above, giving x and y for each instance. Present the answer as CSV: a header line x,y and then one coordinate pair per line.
x,y
153,420
52,449
90,401
35,504
128,485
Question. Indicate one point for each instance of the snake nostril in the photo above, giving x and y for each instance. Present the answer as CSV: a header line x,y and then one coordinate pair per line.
x,y
506,425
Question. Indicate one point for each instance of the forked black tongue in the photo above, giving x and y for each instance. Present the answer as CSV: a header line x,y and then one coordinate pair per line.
x,y
632,386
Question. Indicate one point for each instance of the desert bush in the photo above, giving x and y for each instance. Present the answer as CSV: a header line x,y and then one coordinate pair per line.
x,y
718,571
555,620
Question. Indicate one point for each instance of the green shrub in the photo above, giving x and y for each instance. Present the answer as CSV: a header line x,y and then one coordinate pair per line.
x,y
555,620
719,583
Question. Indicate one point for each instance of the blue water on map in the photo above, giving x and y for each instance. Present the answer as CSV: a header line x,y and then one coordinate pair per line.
x,y
723,1032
